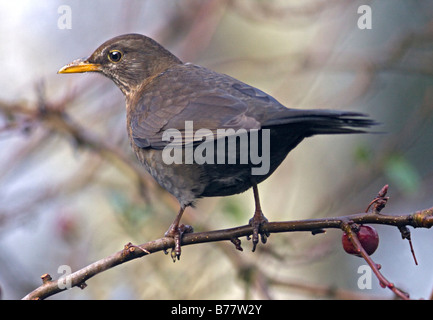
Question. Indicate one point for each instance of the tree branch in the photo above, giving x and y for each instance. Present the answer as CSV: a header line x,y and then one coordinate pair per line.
x,y
419,219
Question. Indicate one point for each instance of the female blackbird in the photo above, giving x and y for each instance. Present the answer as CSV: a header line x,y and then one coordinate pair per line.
x,y
200,133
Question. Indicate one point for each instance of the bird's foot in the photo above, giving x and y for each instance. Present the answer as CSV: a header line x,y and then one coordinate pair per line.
x,y
257,222
176,232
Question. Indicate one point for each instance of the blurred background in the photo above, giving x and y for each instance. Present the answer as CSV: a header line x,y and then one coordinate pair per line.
x,y
72,192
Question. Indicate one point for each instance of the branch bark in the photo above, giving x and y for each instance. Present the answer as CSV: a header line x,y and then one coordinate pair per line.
x,y
419,219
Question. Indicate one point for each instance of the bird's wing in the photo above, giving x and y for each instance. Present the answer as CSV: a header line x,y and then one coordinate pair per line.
x,y
206,106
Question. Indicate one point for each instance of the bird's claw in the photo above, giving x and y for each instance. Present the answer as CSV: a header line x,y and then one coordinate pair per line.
x,y
257,222
176,232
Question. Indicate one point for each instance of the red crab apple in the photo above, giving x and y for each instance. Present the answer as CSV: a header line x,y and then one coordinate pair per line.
x,y
367,236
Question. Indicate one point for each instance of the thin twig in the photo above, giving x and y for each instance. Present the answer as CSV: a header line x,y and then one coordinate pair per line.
x,y
419,219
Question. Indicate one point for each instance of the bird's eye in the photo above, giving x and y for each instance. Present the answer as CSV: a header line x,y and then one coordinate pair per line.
x,y
115,56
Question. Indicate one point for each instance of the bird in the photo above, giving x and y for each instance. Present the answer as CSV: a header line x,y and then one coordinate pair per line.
x,y
200,133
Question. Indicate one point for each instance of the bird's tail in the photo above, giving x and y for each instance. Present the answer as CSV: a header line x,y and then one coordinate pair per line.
x,y
325,121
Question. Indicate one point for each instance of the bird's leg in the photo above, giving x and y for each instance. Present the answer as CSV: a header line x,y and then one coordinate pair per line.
x,y
258,220
176,231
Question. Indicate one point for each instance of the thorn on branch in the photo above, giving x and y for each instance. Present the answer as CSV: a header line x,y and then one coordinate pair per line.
x,y
46,278
82,285
130,248
317,231
405,234
237,243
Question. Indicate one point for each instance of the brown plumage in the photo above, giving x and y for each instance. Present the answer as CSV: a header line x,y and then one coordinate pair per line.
x,y
163,93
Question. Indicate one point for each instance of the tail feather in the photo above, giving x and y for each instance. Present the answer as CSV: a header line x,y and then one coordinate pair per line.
x,y
325,121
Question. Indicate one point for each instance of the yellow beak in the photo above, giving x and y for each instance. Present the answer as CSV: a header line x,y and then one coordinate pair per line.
x,y
79,66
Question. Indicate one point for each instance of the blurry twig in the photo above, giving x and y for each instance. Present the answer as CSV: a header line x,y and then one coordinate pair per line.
x,y
53,117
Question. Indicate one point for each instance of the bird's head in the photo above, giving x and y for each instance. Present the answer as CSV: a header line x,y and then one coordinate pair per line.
x,y
128,60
